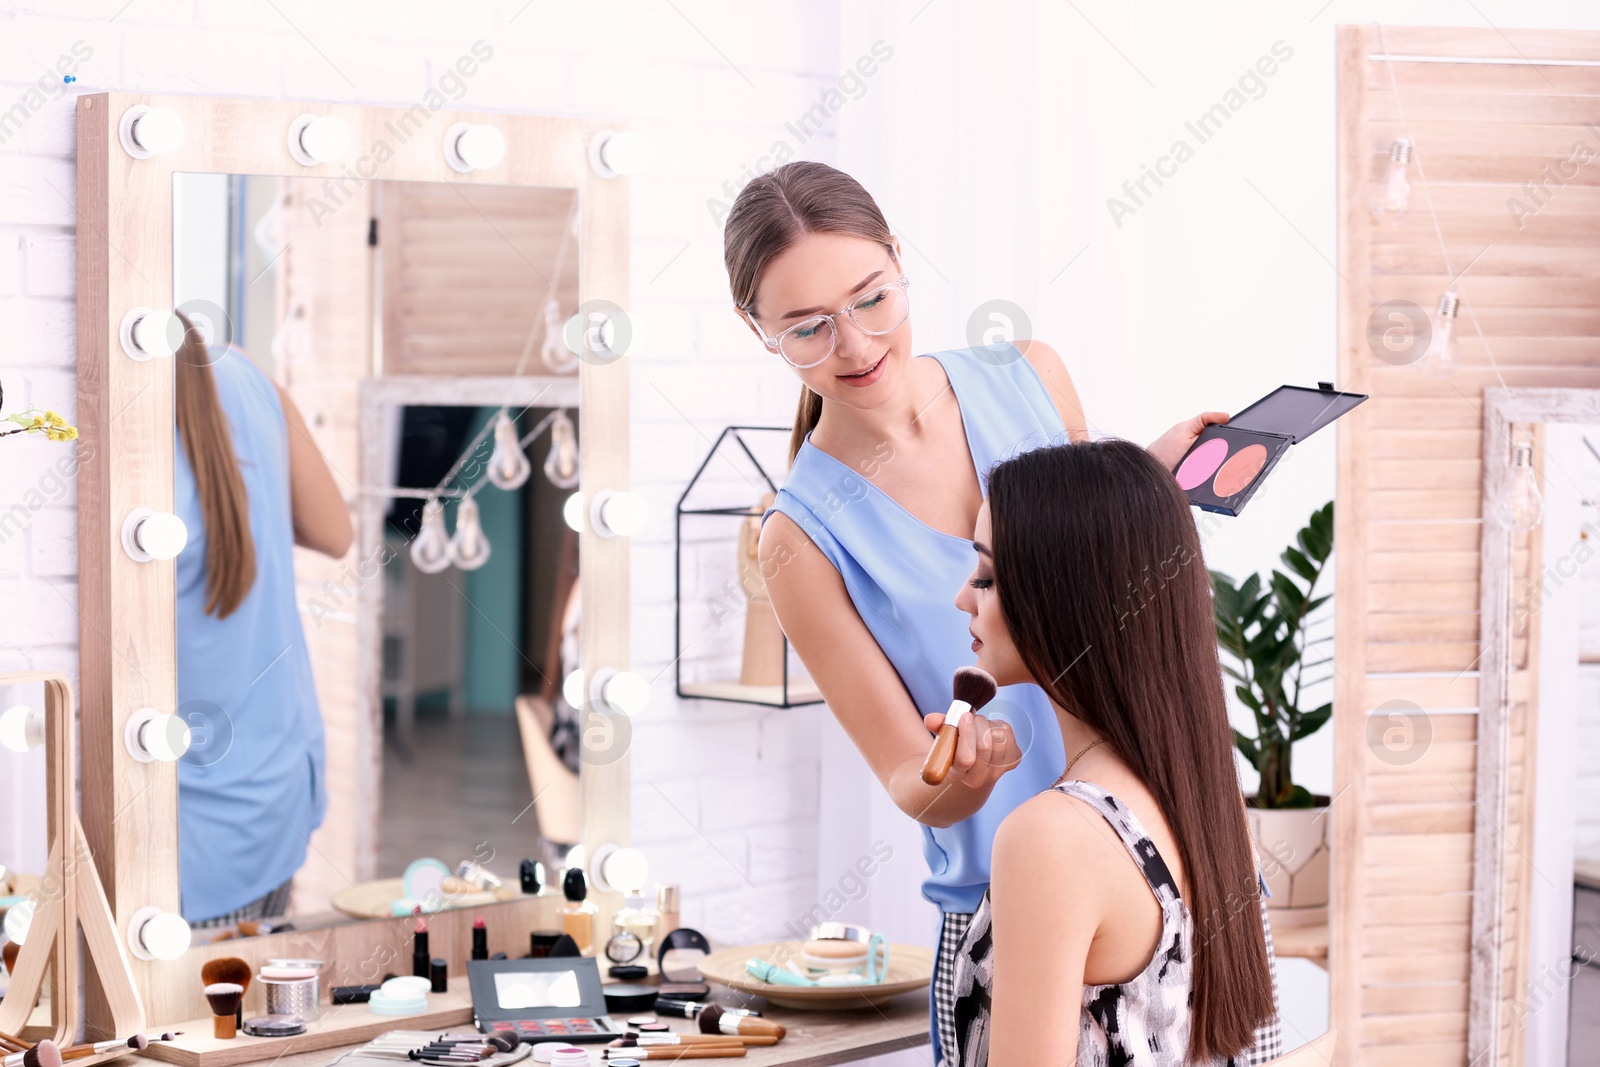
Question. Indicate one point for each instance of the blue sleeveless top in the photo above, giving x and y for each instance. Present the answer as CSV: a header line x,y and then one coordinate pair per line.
x,y
250,789
903,577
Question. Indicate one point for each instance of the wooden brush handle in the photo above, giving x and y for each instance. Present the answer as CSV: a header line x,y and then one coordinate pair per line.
x,y
940,756
693,1052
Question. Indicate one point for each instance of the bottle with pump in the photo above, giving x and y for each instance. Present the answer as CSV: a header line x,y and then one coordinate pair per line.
x,y
578,916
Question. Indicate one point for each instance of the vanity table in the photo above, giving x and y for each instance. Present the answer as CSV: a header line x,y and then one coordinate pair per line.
x,y
815,1038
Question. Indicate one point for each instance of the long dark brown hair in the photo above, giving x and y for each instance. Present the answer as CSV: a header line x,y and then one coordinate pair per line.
x,y
772,212
1101,582
224,504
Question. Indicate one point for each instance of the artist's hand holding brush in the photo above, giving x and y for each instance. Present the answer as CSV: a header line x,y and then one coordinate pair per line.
x,y
978,750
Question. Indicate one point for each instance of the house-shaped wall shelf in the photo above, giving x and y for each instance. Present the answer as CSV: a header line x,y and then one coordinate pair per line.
x,y
728,643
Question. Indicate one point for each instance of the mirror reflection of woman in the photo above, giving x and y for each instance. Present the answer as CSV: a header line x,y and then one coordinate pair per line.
x,y
873,525
249,486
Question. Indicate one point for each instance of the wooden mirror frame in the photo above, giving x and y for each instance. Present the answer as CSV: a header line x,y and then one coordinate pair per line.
x,y
126,418
1493,944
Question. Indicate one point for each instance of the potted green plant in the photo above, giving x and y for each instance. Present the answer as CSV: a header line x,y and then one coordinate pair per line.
x,y
1263,634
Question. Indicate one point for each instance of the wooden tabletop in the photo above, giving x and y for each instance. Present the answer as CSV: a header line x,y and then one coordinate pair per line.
x,y
815,1038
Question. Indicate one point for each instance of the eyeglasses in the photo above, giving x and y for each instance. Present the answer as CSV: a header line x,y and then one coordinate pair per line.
x,y
810,341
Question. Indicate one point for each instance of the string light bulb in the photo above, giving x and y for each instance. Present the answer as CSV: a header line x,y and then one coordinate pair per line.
x,y
561,466
1523,507
509,466
558,358
430,550
1439,361
469,548
1391,206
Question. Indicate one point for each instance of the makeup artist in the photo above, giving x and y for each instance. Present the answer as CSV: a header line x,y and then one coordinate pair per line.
x,y
249,486
872,528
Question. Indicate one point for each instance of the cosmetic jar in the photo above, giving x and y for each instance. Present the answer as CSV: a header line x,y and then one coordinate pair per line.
x,y
292,991
625,997
833,956
544,1051
571,1056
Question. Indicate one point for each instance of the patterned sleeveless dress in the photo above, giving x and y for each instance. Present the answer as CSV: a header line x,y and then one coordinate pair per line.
x,y
1143,1022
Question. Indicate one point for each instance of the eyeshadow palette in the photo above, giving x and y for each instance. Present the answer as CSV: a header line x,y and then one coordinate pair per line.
x,y
1230,461
540,999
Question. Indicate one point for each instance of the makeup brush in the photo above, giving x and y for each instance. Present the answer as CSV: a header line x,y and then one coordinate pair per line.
x,y
713,1020
228,969
138,1042
44,1054
972,688
667,1052
12,1043
696,1039
225,999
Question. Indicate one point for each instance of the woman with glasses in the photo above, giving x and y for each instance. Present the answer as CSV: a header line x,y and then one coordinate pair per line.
x,y
872,529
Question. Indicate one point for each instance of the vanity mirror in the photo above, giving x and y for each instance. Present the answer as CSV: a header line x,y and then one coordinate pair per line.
x,y
404,317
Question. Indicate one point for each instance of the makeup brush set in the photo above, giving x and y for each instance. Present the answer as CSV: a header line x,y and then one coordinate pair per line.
x,y
19,1053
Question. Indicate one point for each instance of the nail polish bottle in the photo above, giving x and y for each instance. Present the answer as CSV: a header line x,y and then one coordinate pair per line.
x,y
577,918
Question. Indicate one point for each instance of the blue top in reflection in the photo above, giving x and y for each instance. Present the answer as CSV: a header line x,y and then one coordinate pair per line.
x,y
250,789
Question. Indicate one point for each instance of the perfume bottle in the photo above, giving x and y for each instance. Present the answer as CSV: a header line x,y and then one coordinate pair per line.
x,y
638,920
577,918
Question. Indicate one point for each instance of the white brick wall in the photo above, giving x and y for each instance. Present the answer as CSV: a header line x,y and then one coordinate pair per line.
x,y
725,796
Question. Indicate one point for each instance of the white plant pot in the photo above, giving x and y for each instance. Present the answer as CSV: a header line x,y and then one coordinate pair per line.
x,y
1293,845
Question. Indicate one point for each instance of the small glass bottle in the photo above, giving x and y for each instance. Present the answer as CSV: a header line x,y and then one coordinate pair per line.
x,y
637,920
667,918
577,918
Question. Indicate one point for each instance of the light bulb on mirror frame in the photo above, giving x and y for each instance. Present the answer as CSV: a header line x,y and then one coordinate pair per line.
x,y
1393,203
1522,508
430,550
572,512
561,466
22,728
19,920
509,466
154,934
469,548
573,689
1439,361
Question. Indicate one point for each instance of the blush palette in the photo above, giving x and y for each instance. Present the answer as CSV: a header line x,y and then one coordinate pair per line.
x,y
1228,462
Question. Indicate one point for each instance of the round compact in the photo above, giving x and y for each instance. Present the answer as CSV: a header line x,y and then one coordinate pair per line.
x,y
407,985
624,996
624,947
833,955
640,1020
397,1002
628,972
654,1028
545,1050
275,1026
617,1061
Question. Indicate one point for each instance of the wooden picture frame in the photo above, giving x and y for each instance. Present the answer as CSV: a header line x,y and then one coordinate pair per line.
x,y
1495,946
126,419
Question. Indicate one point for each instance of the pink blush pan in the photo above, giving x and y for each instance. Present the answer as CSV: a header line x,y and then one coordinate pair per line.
x,y
1202,463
